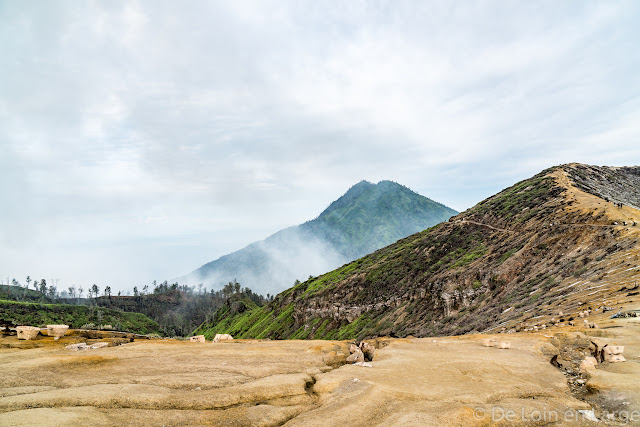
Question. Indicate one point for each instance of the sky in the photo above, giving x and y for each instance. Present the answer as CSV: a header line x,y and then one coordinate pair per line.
x,y
142,139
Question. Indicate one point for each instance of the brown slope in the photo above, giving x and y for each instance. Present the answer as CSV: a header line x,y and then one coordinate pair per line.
x,y
540,246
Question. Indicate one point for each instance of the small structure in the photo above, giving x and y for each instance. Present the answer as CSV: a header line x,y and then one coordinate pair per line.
x,y
222,337
197,338
57,331
27,332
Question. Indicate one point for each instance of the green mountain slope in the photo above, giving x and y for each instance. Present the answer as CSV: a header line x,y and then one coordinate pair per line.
x,y
367,217
509,258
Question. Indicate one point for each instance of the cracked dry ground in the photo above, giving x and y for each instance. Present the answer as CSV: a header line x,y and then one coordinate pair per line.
x,y
429,381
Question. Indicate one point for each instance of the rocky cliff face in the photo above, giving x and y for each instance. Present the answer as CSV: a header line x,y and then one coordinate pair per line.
x,y
538,246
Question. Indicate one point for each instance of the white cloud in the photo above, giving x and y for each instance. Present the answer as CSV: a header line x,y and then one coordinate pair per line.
x,y
171,124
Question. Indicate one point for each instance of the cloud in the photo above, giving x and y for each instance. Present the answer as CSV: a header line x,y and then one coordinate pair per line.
x,y
158,122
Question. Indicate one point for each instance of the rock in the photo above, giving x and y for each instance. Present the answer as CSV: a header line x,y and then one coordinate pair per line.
x,y
549,350
614,358
614,349
587,364
488,342
356,357
368,351
99,345
27,332
197,338
364,364
57,331
353,348
222,337
78,346
504,344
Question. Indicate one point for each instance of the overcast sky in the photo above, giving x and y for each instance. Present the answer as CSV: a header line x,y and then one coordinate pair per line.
x,y
139,140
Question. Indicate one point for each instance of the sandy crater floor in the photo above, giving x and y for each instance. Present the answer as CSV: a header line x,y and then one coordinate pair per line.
x,y
429,381
420,382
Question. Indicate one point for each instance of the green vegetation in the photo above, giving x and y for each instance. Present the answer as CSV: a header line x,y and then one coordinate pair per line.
x,y
520,201
36,314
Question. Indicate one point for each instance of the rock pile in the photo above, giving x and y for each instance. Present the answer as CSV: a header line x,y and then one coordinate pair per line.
x,y
361,353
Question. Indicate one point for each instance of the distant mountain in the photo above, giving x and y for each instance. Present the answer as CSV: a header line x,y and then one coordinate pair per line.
x,y
563,241
367,217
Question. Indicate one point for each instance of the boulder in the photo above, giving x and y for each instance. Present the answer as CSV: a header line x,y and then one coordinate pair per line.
x,y
504,344
585,365
368,350
57,331
222,337
27,332
356,357
489,342
197,338
353,348
614,358
614,349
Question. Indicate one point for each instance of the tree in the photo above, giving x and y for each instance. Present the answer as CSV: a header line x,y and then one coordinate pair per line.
x,y
145,289
135,291
72,291
28,281
95,289
107,291
43,287
80,291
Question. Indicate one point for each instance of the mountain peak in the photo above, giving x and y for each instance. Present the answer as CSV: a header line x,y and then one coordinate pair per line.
x,y
365,218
